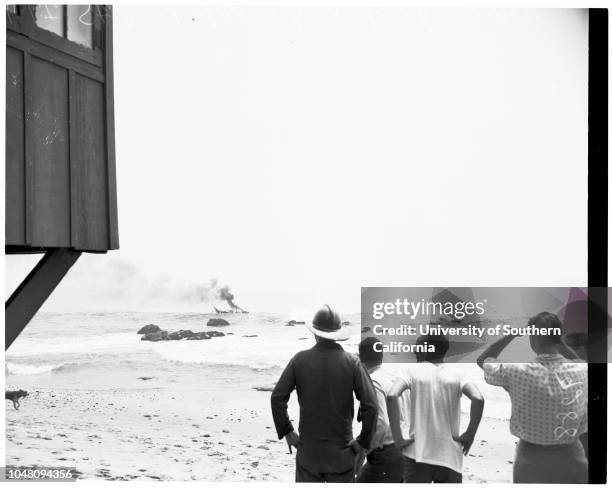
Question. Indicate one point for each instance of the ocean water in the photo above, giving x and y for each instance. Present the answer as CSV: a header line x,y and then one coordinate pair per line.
x,y
102,350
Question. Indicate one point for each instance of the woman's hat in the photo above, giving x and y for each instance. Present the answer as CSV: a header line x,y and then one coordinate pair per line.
x,y
326,324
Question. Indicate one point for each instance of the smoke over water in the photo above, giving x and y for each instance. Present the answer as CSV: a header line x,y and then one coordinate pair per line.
x,y
228,296
210,292
116,284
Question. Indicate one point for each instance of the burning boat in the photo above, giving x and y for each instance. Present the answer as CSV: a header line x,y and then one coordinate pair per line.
x,y
231,310
226,295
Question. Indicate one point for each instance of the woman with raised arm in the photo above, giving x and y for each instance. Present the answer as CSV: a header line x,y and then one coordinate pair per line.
x,y
549,406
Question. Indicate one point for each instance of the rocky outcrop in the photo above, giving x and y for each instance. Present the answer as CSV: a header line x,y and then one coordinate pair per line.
x,y
149,329
198,336
217,323
178,335
293,323
162,335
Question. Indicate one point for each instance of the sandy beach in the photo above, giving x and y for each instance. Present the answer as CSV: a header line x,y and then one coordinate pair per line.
x,y
210,433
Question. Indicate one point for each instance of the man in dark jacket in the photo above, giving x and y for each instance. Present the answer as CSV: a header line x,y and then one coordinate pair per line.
x,y
325,378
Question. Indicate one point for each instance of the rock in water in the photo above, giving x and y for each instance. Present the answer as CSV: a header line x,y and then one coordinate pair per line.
x,y
293,323
149,329
162,335
178,335
217,323
198,336
214,333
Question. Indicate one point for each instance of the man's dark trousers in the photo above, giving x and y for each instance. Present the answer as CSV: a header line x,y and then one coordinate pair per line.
x,y
384,465
321,461
428,473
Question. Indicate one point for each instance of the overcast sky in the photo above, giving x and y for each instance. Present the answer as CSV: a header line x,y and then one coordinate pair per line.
x,y
298,154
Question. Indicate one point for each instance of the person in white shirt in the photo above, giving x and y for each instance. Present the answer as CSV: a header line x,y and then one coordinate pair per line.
x,y
384,460
434,450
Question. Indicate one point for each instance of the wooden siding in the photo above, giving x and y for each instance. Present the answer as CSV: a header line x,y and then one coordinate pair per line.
x,y
60,167
89,181
48,158
15,230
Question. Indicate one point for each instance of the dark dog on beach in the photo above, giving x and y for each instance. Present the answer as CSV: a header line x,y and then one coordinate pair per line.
x,y
14,396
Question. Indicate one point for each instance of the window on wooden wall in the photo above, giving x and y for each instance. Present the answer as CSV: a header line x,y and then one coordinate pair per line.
x,y
73,22
51,18
80,24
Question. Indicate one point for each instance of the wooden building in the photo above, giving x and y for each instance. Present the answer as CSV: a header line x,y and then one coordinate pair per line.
x,y
60,154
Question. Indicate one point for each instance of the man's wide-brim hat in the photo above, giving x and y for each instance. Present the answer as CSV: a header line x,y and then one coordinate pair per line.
x,y
326,324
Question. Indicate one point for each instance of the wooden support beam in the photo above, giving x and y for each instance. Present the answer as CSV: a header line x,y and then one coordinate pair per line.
x,y
29,296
